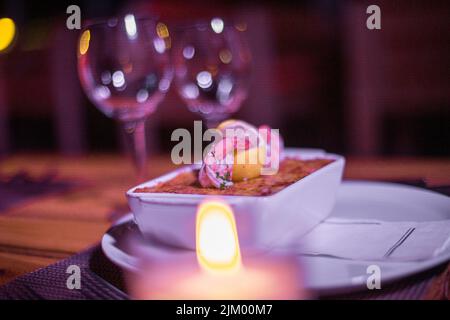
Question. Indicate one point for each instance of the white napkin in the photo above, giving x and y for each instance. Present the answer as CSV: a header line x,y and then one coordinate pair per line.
x,y
377,240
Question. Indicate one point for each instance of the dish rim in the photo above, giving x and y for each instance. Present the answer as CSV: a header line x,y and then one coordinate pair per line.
x,y
289,152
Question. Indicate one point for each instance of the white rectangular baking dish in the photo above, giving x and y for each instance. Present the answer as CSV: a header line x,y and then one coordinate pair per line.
x,y
262,221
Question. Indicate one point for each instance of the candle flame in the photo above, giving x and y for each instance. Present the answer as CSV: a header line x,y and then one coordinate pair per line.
x,y
216,238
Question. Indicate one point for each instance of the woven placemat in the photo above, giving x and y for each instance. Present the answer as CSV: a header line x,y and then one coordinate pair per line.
x,y
100,279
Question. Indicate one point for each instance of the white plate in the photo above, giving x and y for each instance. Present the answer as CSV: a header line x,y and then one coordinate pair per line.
x,y
368,200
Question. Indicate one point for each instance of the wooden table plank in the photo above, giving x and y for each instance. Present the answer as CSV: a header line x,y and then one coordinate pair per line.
x,y
49,236
434,172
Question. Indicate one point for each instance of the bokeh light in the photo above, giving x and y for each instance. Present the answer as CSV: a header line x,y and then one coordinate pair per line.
x,y
7,33
84,42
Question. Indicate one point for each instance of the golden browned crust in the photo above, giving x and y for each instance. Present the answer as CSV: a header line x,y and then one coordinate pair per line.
x,y
291,170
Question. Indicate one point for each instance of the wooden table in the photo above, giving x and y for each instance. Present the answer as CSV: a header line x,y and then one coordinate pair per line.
x,y
37,233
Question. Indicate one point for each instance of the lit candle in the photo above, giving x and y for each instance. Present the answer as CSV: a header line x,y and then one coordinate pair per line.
x,y
218,270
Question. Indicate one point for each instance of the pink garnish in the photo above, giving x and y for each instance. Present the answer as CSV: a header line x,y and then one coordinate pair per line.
x,y
217,168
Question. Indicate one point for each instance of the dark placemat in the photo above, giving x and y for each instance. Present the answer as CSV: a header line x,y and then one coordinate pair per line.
x,y
100,279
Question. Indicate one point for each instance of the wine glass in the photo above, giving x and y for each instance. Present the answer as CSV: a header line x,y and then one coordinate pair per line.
x,y
124,68
212,63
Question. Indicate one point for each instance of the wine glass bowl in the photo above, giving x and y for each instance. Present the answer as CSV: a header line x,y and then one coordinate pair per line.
x,y
212,62
124,68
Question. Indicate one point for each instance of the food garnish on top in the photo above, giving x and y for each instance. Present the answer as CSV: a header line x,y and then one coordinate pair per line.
x,y
242,152
238,163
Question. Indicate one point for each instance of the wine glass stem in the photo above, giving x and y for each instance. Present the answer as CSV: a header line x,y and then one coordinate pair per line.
x,y
136,136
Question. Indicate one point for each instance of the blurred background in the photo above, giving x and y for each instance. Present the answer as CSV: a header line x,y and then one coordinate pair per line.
x,y
318,74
